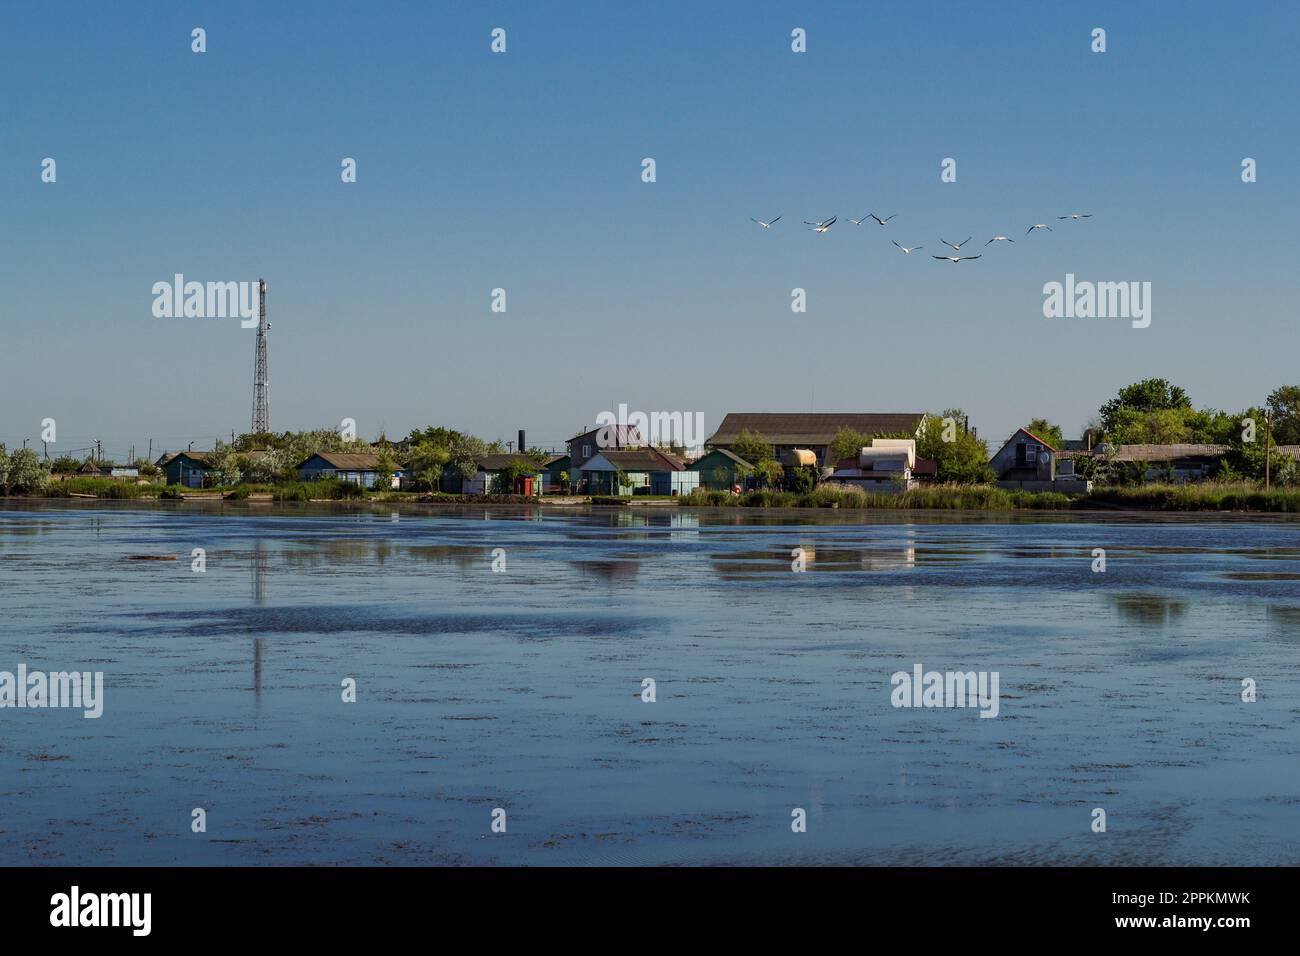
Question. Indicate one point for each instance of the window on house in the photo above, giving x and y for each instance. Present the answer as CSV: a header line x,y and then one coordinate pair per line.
x,y
586,451
1031,453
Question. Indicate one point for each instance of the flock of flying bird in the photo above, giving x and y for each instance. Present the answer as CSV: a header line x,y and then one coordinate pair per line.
x,y
825,225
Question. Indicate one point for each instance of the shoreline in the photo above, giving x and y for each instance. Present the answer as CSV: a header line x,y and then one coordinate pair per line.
x,y
263,504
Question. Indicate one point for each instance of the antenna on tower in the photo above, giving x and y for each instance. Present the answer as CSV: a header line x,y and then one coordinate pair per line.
x,y
261,377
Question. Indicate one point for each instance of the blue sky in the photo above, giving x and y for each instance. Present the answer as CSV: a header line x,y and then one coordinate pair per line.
x,y
522,171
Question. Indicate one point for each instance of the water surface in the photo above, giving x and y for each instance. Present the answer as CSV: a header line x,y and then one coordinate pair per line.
x,y
522,689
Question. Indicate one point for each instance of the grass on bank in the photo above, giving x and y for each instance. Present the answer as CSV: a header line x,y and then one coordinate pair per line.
x,y
1208,496
947,497
1205,496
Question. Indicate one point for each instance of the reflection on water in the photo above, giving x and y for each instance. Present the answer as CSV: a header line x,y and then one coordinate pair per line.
x,y
1151,610
258,566
616,570
523,688
258,646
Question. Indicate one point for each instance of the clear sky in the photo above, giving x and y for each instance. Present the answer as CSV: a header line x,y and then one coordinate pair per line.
x,y
523,171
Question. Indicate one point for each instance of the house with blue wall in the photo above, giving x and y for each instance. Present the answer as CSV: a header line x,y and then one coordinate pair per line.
x,y
650,471
359,468
187,468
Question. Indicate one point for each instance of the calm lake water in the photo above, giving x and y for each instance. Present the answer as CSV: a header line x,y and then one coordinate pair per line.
x,y
522,689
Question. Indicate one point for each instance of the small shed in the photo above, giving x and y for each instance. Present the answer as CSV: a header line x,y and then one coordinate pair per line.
x,y
556,467
720,469
187,468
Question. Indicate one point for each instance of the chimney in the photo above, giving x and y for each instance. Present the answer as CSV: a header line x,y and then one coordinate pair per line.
x,y
522,446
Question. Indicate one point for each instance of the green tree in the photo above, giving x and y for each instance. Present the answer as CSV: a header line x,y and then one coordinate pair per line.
x,y
1048,432
225,464
1245,459
28,473
385,467
847,443
426,461
802,479
964,459
751,447
517,469
1149,395
66,465
1284,404
769,473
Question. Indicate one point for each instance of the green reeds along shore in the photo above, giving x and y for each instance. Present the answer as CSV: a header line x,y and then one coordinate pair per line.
x,y
1210,496
946,497
1205,496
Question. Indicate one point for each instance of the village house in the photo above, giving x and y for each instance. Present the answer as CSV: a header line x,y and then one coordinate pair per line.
x,y
186,468
814,431
720,469
359,468
1024,457
585,446
651,472
492,476
557,467
95,469
1175,462
1026,462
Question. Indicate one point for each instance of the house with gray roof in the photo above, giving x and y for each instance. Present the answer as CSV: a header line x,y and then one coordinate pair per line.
x,y
815,431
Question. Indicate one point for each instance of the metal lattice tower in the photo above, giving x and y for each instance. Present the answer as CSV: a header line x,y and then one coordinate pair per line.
x,y
261,377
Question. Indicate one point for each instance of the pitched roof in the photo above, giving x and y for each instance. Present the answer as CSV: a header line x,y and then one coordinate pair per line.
x,y
504,461
198,457
205,458
1028,433
1158,452
622,434
641,459
812,428
347,461
724,452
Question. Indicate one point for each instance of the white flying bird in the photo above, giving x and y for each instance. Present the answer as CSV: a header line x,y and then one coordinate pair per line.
x,y
1077,215
956,246
955,258
821,226
765,225
908,249
1038,225
879,220
858,222
1000,239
